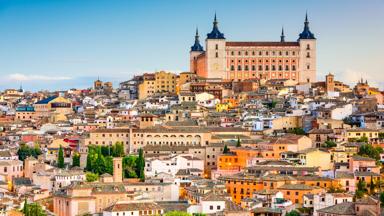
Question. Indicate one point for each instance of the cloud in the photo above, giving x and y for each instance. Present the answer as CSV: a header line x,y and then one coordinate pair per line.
x,y
35,77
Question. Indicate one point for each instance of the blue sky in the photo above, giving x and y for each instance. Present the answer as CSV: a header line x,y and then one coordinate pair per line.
x,y
60,44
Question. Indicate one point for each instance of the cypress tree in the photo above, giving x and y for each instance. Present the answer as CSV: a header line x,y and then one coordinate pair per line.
x,y
61,158
89,162
76,159
25,207
238,143
141,165
226,149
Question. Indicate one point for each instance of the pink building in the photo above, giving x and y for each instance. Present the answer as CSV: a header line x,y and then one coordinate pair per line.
x,y
10,169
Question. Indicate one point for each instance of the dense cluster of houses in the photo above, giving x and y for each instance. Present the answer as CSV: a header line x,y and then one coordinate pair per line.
x,y
211,146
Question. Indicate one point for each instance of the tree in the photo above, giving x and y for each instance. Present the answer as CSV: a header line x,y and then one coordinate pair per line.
x,y
33,209
99,165
362,139
105,150
177,213
141,165
368,150
76,159
226,149
130,166
371,186
25,151
382,198
361,189
60,160
238,143
89,161
329,144
293,213
25,207
91,177
332,189
118,150
381,135
109,164
297,131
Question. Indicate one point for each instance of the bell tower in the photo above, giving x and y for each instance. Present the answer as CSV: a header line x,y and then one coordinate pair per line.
x,y
307,63
117,169
215,53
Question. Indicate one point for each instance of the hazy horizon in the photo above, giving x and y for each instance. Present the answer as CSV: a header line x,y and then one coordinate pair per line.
x,y
58,45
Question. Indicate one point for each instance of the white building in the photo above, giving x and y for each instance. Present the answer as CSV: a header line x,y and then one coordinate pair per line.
x,y
173,164
134,208
66,177
329,199
210,204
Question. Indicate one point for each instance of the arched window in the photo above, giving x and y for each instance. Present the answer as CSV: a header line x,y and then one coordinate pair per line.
x,y
280,68
273,67
239,67
232,67
308,56
286,67
246,67
217,55
308,47
253,67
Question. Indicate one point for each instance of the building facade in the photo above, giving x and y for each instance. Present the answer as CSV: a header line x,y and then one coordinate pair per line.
x,y
294,60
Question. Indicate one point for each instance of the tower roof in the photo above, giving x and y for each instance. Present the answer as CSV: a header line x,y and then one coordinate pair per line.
x,y
306,34
196,46
215,33
282,36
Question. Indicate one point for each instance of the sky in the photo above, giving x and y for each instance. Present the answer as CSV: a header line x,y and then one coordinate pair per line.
x,y
62,44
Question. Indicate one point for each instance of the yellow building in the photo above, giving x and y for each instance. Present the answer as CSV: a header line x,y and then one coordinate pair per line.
x,y
184,77
358,133
221,107
147,87
286,123
53,104
314,157
165,82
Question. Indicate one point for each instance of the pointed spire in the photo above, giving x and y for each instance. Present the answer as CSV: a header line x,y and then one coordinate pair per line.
x,y
196,46
215,20
215,33
282,37
215,23
306,34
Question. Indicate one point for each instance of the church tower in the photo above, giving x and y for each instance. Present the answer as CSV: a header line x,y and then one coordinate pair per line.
x,y
117,169
215,53
196,50
330,82
307,64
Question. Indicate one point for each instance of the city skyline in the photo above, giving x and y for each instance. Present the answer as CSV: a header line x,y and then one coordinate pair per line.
x,y
59,45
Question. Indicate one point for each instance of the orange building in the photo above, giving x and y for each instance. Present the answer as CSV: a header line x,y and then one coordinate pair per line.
x,y
237,159
243,185
295,192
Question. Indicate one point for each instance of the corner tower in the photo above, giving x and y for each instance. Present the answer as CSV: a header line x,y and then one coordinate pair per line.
x,y
196,50
215,53
307,63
